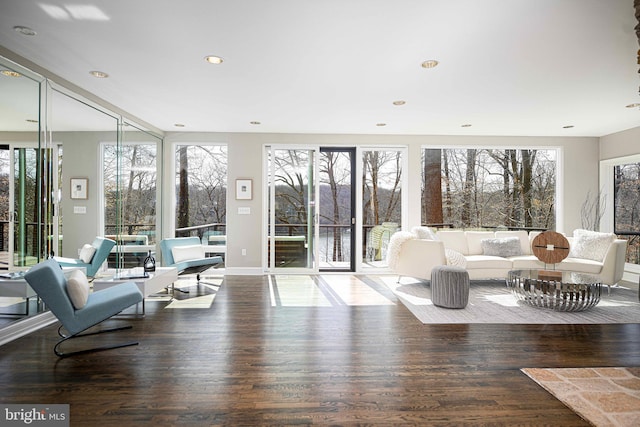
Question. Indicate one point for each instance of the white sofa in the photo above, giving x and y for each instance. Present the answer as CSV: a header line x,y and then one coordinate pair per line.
x,y
412,256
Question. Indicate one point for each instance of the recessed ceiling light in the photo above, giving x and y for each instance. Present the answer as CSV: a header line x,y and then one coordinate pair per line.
x,y
381,124
26,31
430,63
179,125
212,59
634,105
10,73
254,123
99,74
567,127
466,125
399,102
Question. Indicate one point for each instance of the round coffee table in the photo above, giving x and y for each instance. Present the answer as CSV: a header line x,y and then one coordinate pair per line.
x,y
557,290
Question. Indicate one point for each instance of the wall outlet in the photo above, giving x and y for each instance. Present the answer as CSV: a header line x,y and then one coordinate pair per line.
x,y
244,252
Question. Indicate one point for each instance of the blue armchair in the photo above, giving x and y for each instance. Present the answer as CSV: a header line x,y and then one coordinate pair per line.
x,y
196,263
49,282
102,246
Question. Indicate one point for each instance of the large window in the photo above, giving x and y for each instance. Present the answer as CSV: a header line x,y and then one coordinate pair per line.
x,y
382,202
489,188
130,201
201,194
626,209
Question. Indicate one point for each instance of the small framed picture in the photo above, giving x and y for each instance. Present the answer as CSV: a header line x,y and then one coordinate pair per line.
x,y
79,188
244,189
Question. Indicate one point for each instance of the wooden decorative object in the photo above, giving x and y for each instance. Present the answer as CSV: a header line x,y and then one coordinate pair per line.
x,y
550,247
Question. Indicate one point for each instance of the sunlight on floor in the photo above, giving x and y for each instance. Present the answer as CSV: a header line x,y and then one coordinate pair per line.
x,y
203,301
325,291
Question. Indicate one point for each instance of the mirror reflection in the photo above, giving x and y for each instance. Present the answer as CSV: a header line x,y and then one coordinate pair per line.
x,y
64,171
19,186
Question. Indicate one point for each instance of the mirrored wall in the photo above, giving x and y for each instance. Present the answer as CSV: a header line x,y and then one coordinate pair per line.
x,y
67,167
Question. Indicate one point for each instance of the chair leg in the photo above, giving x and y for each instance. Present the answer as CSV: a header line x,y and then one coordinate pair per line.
x,y
62,354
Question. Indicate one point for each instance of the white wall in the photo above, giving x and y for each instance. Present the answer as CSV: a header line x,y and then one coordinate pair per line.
x,y
80,160
620,144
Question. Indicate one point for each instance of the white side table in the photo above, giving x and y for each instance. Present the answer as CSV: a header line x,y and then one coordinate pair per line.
x,y
158,280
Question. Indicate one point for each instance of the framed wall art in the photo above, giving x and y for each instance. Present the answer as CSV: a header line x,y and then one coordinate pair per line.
x,y
79,188
244,190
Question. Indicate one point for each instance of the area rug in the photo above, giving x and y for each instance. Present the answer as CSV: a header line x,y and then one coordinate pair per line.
x,y
602,396
492,302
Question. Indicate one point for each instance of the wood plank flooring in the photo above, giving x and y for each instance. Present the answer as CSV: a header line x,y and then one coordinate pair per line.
x,y
248,362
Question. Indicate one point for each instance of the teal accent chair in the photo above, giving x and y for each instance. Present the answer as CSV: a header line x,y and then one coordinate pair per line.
x,y
103,247
196,265
49,282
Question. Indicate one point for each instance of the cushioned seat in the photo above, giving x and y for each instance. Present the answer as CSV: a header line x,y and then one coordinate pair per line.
x,y
526,262
582,265
449,286
101,249
487,261
187,255
49,282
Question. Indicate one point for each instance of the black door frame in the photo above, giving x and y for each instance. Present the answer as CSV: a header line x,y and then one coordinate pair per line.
x,y
352,257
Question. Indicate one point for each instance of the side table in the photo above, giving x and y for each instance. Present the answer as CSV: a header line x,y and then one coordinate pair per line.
x,y
156,281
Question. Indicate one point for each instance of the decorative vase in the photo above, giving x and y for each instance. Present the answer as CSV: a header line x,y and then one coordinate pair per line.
x,y
149,263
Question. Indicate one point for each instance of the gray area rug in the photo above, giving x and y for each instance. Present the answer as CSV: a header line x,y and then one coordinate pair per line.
x,y
492,302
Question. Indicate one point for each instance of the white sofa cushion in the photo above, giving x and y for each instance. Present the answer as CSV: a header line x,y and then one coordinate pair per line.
x,y
487,262
187,252
78,288
581,265
522,235
474,241
590,244
454,239
526,262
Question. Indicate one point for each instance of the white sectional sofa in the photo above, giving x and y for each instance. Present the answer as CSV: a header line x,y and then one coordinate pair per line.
x,y
411,254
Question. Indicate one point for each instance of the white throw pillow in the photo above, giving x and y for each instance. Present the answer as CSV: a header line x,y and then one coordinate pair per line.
x,y
186,253
591,245
78,288
502,246
455,258
86,253
424,233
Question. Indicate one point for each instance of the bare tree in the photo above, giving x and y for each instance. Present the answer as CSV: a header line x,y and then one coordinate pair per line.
x,y
183,187
432,187
468,189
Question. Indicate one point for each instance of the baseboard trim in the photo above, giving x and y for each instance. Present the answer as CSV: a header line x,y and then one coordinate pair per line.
x,y
23,327
244,271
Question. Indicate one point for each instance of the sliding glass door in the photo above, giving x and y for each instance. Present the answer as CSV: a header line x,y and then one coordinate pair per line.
x,y
292,201
313,195
22,168
336,207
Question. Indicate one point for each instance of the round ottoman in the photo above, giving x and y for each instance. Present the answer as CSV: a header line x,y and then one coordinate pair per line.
x,y
449,286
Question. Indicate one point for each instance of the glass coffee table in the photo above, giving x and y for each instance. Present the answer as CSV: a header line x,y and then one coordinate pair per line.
x,y
557,290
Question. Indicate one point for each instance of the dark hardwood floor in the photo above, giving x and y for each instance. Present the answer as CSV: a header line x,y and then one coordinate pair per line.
x,y
244,362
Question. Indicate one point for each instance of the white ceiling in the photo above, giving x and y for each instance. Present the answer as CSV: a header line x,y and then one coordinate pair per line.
x,y
516,67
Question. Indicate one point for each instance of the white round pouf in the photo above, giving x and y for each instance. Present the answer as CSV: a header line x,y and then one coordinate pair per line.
x,y
449,286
